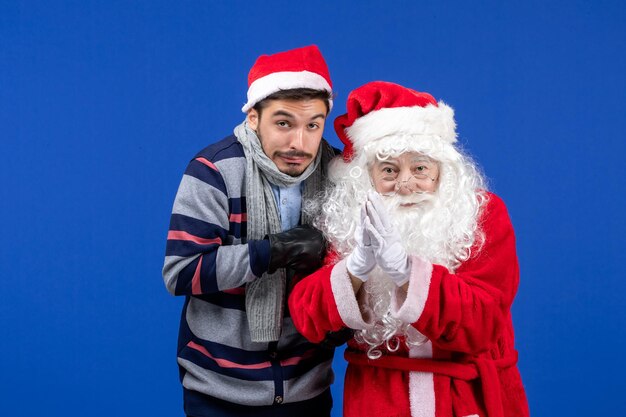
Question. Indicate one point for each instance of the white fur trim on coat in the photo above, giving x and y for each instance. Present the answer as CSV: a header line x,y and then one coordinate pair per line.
x,y
346,301
422,394
408,306
429,121
422,397
287,80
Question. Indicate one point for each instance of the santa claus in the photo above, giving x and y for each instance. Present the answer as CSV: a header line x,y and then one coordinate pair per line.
x,y
423,266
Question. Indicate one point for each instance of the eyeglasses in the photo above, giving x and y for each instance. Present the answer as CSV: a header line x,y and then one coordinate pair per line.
x,y
391,177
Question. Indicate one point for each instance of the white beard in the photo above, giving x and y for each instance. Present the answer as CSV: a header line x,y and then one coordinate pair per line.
x,y
387,331
412,217
406,213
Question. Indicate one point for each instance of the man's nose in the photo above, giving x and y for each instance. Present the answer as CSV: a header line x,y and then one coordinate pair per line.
x,y
405,185
297,139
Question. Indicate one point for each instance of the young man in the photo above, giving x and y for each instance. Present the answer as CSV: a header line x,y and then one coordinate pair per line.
x,y
425,269
237,236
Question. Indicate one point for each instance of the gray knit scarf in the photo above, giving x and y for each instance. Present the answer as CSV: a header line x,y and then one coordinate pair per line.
x,y
265,296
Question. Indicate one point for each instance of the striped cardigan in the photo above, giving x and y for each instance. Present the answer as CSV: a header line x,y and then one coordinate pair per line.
x,y
209,260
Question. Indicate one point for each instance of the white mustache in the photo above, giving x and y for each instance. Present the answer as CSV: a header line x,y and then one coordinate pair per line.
x,y
415,198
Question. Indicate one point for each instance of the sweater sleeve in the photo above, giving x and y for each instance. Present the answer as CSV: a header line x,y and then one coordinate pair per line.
x,y
202,256
465,311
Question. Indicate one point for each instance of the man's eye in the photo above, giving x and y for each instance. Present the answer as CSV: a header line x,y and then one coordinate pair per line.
x,y
388,170
282,123
313,126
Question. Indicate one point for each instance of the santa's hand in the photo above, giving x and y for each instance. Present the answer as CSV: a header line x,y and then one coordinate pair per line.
x,y
388,248
362,260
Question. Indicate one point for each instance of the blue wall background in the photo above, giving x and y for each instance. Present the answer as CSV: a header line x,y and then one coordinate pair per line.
x,y
102,103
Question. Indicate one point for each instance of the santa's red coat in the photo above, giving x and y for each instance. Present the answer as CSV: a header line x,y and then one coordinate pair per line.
x,y
468,366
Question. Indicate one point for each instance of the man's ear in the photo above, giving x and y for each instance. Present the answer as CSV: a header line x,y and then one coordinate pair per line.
x,y
253,119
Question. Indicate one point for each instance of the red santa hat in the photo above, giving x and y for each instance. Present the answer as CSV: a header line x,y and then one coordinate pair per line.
x,y
298,68
381,109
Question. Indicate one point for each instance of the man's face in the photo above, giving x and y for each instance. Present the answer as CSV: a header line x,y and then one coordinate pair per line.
x,y
290,132
409,174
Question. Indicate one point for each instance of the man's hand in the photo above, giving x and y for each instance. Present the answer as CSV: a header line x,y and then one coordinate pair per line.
x,y
362,260
301,249
388,248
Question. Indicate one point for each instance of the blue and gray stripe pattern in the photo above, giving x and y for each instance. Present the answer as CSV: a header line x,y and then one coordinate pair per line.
x,y
209,260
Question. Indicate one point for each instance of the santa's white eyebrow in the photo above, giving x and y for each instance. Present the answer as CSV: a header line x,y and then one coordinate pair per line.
x,y
387,162
422,159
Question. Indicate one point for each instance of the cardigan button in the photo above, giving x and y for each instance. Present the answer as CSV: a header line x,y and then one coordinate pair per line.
x,y
278,399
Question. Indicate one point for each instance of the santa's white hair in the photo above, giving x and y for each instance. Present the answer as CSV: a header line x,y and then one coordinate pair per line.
x,y
443,229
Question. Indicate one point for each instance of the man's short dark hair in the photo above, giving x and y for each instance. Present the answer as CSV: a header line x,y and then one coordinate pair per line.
x,y
295,94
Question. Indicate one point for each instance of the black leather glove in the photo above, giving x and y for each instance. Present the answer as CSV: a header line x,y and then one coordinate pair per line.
x,y
301,249
336,339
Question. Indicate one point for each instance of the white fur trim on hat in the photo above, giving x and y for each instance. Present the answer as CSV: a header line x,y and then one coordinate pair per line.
x,y
429,121
286,80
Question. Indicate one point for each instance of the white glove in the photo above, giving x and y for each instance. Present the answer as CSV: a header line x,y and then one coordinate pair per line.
x,y
362,260
388,248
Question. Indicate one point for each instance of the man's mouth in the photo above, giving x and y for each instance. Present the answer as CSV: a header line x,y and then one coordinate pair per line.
x,y
295,158
292,160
